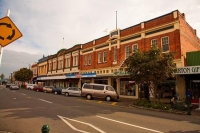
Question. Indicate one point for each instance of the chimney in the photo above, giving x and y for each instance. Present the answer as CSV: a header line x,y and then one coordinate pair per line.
x,y
195,31
183,14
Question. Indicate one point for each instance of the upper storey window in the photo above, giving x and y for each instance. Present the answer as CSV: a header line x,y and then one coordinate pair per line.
x,y
165,43
60,64
68,62
135,47
54,65
86,60
75,60
115,55
89,59
99,57
154,42
127,51
104,56
49,66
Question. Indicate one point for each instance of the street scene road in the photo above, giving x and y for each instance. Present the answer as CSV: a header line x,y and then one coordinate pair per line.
x,y
26,111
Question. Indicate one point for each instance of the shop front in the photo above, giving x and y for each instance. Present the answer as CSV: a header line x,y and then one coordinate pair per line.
x,y
191,76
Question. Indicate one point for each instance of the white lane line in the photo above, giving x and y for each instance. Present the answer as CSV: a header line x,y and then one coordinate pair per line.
x,y
23,94
130,124
44,100
63,118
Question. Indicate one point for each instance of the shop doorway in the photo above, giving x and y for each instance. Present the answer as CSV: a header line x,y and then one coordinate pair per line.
x,y
195,90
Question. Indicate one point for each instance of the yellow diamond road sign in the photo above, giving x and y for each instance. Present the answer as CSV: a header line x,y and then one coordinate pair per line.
x,y
8,31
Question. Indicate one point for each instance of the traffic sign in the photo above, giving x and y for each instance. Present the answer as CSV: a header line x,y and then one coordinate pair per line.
x,y
8,31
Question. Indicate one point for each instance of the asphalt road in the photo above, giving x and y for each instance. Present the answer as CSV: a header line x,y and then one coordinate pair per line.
x,y
25,111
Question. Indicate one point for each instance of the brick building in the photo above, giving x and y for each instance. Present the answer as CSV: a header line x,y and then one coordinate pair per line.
x,y
101,60
105,56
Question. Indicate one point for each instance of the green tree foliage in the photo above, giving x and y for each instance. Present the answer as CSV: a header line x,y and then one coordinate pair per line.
x,y
151,67
23,75
2,76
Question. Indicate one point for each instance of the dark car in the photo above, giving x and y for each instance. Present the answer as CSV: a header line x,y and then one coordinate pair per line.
x,y
38,88
57,90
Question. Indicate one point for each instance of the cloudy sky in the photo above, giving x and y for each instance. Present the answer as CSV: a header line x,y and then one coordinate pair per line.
x,y
44,23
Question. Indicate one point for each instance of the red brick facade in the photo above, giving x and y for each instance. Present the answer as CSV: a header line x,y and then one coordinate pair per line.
x,y
182,38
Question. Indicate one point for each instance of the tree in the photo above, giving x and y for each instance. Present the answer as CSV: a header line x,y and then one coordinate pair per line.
x,y
151,67
23,75
2,76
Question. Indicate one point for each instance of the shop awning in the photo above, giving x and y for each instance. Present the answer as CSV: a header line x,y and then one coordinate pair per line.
x,y
51,78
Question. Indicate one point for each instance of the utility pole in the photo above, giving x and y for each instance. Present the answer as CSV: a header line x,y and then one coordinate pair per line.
x,y
1,48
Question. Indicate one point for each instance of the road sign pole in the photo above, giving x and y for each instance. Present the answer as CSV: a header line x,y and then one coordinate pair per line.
x,y
1,48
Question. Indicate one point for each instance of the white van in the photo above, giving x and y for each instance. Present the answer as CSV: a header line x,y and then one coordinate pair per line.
x,y
90,90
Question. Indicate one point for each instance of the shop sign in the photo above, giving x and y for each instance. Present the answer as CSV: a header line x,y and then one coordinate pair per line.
x,y
89,75
120,73
188,70
81,75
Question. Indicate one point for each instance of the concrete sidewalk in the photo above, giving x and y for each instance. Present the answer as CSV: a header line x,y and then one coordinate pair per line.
x,y
130,101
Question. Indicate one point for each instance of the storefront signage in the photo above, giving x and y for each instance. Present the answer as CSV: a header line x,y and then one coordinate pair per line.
x,y
120,73
81,75
188,70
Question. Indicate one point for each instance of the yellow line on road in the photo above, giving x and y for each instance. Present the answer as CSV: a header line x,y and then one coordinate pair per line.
x,y
14,98
114,103
28,97
99,102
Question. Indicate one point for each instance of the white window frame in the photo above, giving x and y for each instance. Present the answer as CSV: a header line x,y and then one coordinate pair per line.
x,y
89,59
165,43
75,60
54,65
60,64
50,66
133,48
115,55
104,56
99,57
154,42
86,60
127,51
68,62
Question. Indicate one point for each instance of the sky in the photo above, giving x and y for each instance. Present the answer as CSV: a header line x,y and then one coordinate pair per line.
x,y
50,25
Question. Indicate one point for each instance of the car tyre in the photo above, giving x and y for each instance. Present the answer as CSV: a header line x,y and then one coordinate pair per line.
x,y
37,90
66,94
108,98
89,97
55,93
45,91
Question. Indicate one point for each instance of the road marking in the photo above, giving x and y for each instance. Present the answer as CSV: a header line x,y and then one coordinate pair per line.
x,y
130,124
44,100
114,103
63,119
23,94
14,98
99,102
28,97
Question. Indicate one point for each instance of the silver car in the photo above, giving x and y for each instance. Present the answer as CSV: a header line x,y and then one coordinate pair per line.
x,y
14,87
71,91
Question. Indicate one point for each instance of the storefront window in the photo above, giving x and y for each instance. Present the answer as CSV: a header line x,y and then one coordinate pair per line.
x,y
166,89
195,89
128,88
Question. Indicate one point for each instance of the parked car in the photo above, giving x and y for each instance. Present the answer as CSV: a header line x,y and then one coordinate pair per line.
x,y
71,91
48,89
8,85
38,88
90,90
14,87
30,86
57,90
